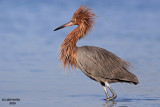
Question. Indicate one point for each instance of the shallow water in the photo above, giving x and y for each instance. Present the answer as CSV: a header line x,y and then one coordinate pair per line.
x,y
29,64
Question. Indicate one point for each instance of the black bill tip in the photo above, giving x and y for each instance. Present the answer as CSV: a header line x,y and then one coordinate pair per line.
x,y
58,28
65,25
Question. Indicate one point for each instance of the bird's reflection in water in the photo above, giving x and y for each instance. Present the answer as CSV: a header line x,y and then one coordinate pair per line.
x,y
110,104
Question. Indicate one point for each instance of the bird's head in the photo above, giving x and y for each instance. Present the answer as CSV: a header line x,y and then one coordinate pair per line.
x,y
83,16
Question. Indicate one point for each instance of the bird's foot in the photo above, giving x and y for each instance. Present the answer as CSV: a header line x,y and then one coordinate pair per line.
x,y
111,98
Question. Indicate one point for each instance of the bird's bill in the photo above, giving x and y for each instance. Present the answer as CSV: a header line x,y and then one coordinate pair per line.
x,y
65,25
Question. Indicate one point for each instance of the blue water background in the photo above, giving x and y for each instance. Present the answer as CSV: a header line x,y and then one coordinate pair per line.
x,y
29,60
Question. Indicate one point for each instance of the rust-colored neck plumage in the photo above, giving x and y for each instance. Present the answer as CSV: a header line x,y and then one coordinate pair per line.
x,y
84,20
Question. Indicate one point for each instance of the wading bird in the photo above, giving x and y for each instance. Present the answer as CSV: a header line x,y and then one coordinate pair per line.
x,y
96,63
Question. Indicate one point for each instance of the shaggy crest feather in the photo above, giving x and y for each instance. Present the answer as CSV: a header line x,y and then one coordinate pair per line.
x,y
84,18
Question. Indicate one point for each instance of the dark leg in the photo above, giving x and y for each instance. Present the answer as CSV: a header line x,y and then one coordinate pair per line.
x,y
114,94
103,85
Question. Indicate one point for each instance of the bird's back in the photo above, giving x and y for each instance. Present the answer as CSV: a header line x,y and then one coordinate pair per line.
x,y
103,66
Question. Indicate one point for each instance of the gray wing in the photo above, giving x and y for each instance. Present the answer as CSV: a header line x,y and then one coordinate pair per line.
x,y
100,65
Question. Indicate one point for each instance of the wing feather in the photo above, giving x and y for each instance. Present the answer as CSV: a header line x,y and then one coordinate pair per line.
x,y
99,63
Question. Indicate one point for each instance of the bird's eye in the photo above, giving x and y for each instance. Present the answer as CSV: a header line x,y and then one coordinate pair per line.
x,y
74,20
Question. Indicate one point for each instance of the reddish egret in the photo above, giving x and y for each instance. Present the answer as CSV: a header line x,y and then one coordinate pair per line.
x,y
96,63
